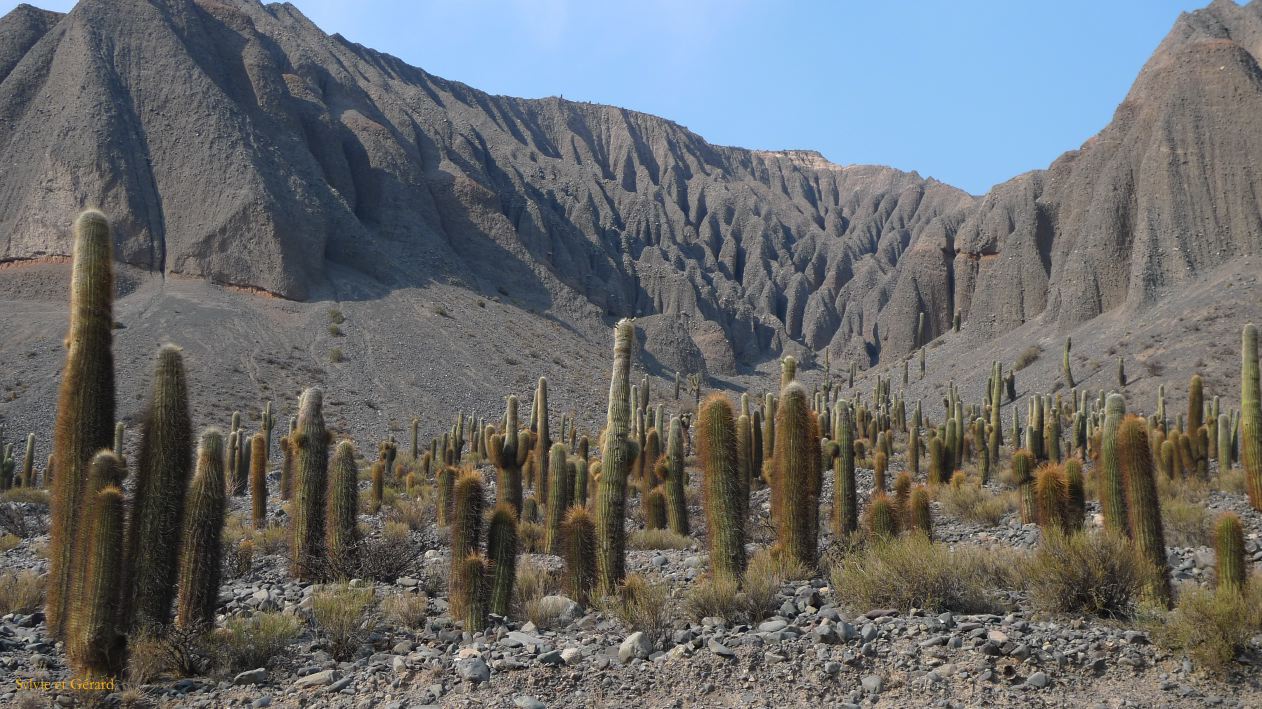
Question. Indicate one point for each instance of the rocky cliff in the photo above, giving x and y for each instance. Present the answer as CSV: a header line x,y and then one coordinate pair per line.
x,y
237,142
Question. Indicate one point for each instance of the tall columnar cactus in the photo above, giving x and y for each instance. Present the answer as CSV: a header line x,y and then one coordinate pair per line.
x,y
913,449
1022,476
882,518
376,486
937,461
558,499
1051,495
1076,493
85,404
236,475
721,486
744,456
845,490
543,439
615,464
1196,402
1251,416
7,468
920,515
676,500
788,370
1229,548
311,474
469,601
1111,486
1068,370
1224,443
466,538
286,467
416,438
28,462
165,462
201,557
501,549
97,646
797,463
1144,507
342,533
902,491
258,480
508,455
267,423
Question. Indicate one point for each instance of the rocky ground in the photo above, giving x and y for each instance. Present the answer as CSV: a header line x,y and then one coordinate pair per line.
x,y
807,650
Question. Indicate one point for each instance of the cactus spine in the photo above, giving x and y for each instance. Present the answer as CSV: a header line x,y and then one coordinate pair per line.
x,y
165,462
1076,493
1051,493
845,492
676,500
501,548
920,515
97,646
721,485
85,404
341,534
1111,486
579,552
797,464
201,558
615,463
1251,416
558,499
311,467
469,602
882,518
466,536
1144,507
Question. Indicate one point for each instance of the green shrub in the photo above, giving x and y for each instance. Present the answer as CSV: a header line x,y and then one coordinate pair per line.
x,y
336,355
717,597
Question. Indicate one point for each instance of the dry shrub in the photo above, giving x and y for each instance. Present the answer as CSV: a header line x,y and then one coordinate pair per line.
x,y
406,610
272,540
640,604
913,572
717,598
975,503
1186,524
1212,627
8,542
1028,356
1232,481
533,582
178,652
396,532
29,495
658,539
339,613
21,592
530,537
1086,572
249,643
409,512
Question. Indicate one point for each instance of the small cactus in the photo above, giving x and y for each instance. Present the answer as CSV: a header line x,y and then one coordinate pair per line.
x,y
501,548
466,538
882,518
720,483
920,516
676,500
1051,494
579,552
376,487
1076,493
937,461
97,647
469,599
1022,465
311,468
1142,503
342,533
655,509
201,557
258,480
902,490
1229,548
845,493
558,498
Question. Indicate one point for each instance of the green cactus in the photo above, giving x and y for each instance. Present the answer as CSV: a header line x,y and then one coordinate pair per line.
x,y
543,439
530,506
201,557
466,538
258,480
1111,487
558,499
1022,465
1196,402
676,500
286,467
7,467
788,370
97,645
582,472
469,599
1224,444
1142,503
1051,495
882,518
416,438
615,464
342,514
913,449
655,508
311,473
845,490
1121,372
797,471
85,406
744,458
920,515
721,487
28,462
937,460
1229,548
445,481
120,433
157,511
501,548
1250,437
267,422
507,454
376,486
1069,374
1076,493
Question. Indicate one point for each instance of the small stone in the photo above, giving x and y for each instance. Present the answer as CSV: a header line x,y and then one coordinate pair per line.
x,y
997,636
872,684
571,655
720,649
636,646
473,670
869,633
258,676
552,657
261,703
316,679
526,702
771,626
1038,680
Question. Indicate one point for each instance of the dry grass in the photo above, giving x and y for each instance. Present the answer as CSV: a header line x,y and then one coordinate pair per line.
x,y
9,541
1211,627
21,592
976,504
406,610
913,572
179,652
529,537
1086,572
1232,481
1027,357
396,532
1186,524
716,598
339,613
533,582
409,512
30,495
658,539
765,573
271,540
248,643
641,605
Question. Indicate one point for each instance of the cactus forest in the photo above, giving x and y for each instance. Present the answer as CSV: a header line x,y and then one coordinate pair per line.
x,y
824,516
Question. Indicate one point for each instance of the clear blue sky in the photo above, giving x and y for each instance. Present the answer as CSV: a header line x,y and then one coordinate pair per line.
x,y
971,92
